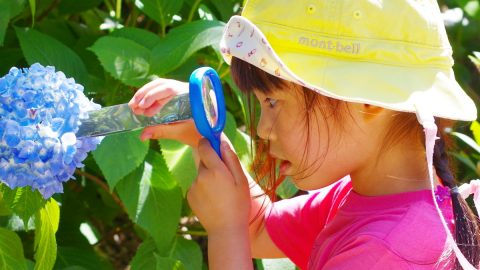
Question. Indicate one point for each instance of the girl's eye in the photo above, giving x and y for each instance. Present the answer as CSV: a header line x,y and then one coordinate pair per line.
x,y
271,102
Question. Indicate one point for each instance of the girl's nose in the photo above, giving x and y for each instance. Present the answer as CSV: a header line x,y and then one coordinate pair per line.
x,y
264,129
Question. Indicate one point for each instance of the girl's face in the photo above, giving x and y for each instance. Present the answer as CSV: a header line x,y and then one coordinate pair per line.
x,y
314,151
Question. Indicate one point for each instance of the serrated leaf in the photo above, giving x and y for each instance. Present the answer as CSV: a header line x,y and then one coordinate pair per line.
x,y
22,201
140,36
161,11
46,225
188,252
153,200
40,48
11,251
181,42
124,59
120,154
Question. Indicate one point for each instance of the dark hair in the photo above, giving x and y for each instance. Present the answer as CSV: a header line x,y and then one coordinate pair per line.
x,y
404,125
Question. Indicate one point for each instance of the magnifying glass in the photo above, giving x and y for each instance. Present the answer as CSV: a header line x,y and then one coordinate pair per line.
x,y
208,105
204,103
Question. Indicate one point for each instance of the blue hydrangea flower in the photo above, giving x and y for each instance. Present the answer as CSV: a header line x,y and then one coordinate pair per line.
x,y
40,112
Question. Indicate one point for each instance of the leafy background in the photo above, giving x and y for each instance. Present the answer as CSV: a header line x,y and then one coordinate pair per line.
x,y
127,208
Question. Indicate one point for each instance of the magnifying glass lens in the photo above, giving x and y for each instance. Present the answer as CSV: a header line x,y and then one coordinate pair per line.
x,y
209,101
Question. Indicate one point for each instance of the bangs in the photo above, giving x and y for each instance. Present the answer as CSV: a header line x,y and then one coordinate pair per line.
x,y
249,77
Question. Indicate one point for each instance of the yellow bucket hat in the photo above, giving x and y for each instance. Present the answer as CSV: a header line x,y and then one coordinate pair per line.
x,y
394,54
357,51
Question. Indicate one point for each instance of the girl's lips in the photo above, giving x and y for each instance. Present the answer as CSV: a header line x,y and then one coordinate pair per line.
x,y
284,166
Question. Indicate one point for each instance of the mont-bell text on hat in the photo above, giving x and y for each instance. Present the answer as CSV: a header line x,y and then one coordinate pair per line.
x,y
330,45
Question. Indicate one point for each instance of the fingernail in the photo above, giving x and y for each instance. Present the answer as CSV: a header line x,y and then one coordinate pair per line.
x,y
225,147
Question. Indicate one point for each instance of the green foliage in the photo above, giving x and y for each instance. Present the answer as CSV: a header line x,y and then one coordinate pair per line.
x,y
120,154
11,251
131,194
46,225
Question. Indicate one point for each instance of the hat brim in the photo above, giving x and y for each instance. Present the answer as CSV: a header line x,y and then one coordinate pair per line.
x,y
395,87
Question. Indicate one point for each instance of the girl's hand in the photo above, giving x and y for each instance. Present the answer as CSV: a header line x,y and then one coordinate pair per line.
x,y
150,99
220,195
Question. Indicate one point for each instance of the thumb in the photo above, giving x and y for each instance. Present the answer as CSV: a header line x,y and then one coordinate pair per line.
x,y
232,162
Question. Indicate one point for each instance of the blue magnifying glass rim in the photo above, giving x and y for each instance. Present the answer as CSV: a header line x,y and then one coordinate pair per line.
x,y
197,106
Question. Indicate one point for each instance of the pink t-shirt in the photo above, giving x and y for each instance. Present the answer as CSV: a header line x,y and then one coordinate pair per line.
x,y
337,228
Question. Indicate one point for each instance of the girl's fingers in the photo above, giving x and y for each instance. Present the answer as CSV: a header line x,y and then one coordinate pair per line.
x,y
233,163
208,156
154,95
155,108
143,90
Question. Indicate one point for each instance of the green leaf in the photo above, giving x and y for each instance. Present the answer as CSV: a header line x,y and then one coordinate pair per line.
x,y
80,257
8,9
225,7
161,11
46,224
169,263
469,141
475,128
75,6
4,18
11,251
181,42
142,37
10,57
286,189
180,162
153,200
22,201
4,209
278,264
230,127
38,47
144,258
188,252
242,145
119,154
124,59
33,10
465,159
472,8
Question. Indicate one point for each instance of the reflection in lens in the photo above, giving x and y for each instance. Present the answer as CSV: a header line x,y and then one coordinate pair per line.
x,y
209,101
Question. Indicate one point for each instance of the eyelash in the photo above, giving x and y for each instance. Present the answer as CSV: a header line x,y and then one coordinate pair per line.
x,y
271,102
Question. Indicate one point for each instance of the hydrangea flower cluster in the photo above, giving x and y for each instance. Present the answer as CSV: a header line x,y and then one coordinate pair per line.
x,y
40,112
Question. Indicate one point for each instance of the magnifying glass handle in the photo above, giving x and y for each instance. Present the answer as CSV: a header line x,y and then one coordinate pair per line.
x,y
209,130
215,143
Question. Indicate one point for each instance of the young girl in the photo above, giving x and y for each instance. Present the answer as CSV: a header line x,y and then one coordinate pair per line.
x,y
351,95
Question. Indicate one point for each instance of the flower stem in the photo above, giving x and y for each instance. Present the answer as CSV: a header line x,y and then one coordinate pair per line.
x,y
103,185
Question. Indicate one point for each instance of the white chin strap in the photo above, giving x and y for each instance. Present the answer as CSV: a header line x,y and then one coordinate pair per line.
x,y
427,120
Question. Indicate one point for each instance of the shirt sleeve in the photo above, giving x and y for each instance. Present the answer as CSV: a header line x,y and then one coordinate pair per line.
x,y
293,224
